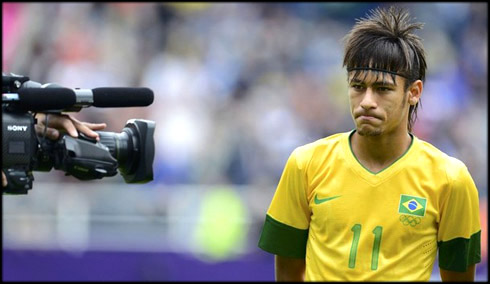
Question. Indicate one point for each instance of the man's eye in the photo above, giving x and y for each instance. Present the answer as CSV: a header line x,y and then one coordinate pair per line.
x,y
357,87
384,89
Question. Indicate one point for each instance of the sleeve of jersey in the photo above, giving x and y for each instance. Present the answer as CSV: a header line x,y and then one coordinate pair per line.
x,y
459,228
285,230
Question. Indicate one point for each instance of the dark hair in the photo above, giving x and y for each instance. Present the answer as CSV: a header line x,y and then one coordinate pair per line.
x,y
384,42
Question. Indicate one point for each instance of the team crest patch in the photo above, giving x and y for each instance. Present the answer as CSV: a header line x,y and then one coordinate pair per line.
x,y
412,205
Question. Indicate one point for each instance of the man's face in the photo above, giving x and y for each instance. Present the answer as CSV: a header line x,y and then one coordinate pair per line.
x,y
378,104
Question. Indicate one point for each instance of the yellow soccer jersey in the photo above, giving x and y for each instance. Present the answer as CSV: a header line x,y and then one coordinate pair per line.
x,y
353,225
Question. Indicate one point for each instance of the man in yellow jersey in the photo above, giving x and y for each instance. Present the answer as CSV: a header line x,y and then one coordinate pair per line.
x,y
375,203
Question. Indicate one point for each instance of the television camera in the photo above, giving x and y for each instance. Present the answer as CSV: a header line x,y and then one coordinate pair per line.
x,y
23,150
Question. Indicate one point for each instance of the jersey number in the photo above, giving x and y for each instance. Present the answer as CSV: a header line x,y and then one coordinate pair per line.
x,y
355,241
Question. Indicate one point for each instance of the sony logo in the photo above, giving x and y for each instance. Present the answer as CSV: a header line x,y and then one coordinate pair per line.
x,y
16,128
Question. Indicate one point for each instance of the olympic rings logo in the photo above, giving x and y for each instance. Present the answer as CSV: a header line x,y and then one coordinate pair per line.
x,y
409,220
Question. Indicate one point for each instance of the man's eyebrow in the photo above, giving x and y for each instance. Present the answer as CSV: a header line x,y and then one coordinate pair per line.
x,y
377,83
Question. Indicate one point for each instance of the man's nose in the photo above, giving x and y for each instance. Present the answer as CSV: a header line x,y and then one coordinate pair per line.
x,y
368,100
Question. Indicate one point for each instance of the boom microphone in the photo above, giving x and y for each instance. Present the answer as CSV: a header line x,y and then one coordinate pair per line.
x,y
122,97
54,97
38,99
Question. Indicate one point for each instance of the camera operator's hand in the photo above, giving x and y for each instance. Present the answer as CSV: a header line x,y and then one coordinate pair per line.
x,y
4,180
57,122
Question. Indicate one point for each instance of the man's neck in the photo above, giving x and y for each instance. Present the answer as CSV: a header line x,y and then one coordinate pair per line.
x,y
378,152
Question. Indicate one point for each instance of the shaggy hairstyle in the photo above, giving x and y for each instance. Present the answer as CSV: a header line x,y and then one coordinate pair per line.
x,y
385,44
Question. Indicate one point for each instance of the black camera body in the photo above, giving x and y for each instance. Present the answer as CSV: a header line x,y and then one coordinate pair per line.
x,y
19,147
24,150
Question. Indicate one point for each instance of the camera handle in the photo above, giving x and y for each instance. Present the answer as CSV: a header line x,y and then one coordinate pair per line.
x,y
84,158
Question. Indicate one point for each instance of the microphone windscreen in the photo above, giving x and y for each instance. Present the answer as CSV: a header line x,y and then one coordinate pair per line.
x,y
38,99
122,97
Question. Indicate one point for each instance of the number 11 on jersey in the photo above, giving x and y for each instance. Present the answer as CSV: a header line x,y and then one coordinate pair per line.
x,y
376,246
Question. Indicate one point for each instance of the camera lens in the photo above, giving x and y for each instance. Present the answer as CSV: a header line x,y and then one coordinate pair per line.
x,y
133,149
120,146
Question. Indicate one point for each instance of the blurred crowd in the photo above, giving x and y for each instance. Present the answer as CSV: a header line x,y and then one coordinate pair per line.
x,y
238,86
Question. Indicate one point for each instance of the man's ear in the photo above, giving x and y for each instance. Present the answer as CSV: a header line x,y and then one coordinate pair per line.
x,y
414,92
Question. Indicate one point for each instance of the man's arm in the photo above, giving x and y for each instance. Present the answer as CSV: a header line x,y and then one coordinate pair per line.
x,y
289,269
450,276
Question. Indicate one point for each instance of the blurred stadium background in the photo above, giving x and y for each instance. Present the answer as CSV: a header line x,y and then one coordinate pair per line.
x,y
237,87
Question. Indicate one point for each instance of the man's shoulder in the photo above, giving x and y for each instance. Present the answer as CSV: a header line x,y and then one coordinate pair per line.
x,y
320,149
450,164
325,143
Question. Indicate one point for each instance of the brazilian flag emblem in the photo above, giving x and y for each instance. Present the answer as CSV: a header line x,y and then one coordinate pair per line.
x,y
412,205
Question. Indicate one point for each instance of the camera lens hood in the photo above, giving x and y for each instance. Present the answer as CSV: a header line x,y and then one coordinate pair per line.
x,y
142,131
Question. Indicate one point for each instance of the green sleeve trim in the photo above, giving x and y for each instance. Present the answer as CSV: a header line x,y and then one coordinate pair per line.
x,y
282,239
457,254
